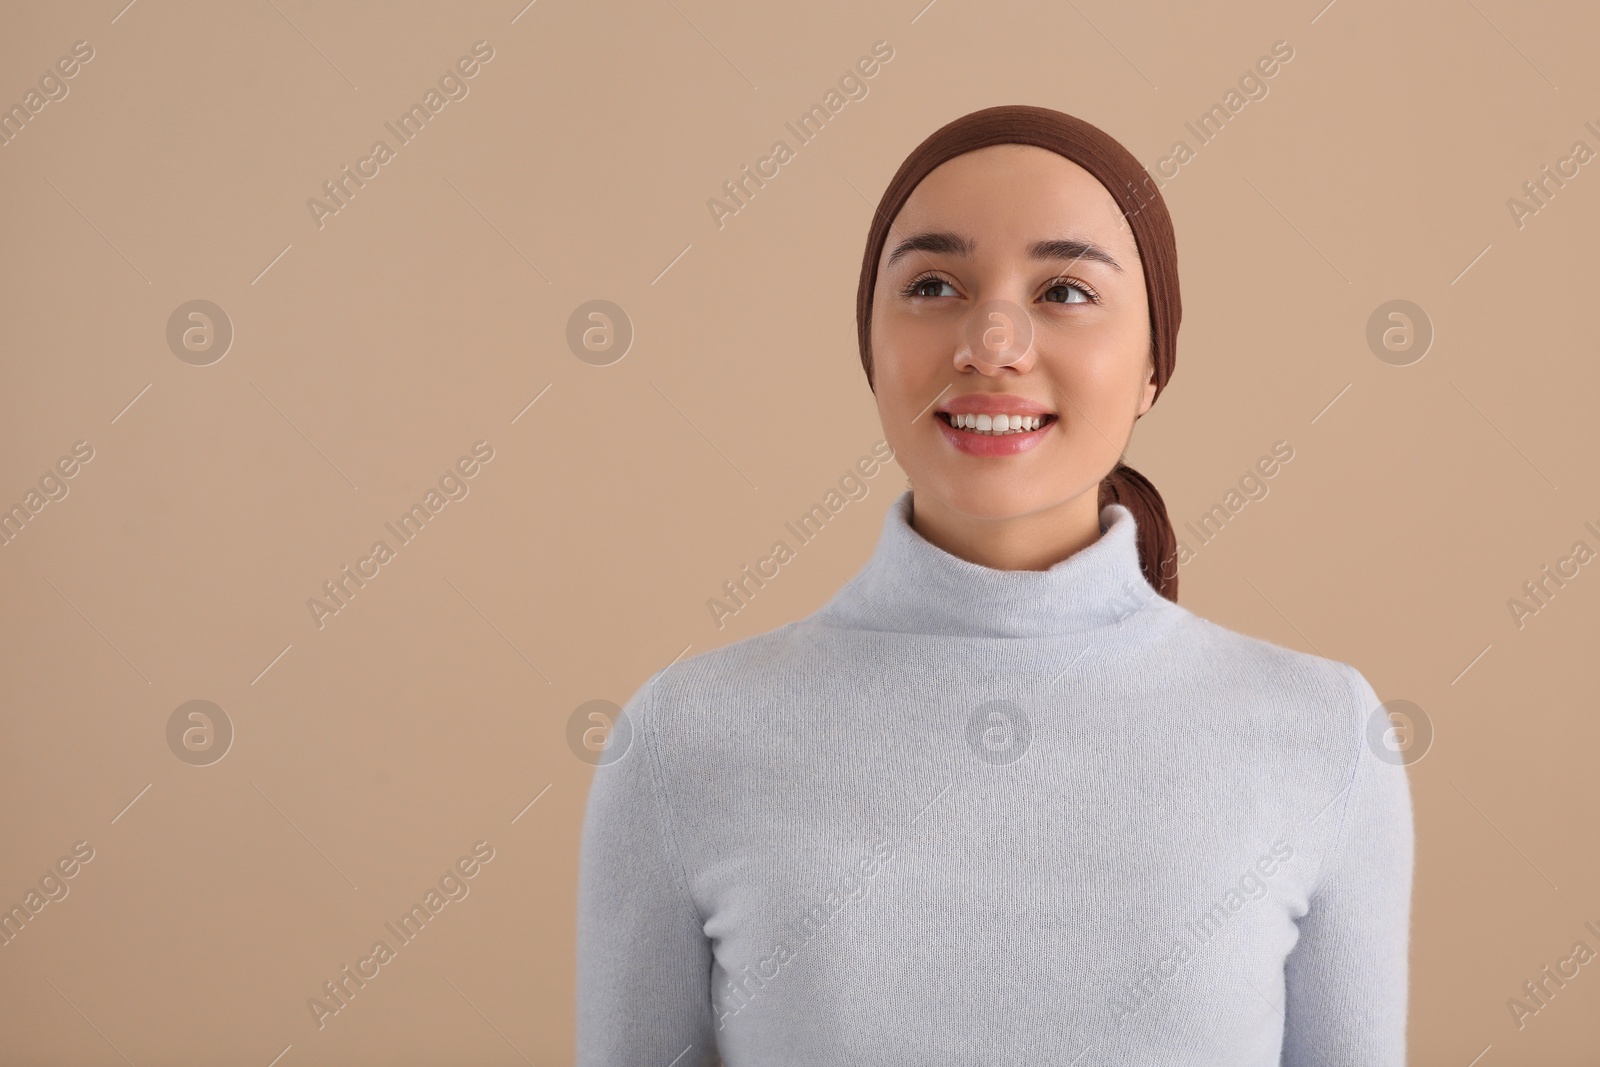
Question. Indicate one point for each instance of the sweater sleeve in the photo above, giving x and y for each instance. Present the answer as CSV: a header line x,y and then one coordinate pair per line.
x,y
644,961
1346,977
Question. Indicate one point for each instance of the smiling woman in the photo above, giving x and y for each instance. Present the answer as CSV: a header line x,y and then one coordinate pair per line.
x,y
1121,834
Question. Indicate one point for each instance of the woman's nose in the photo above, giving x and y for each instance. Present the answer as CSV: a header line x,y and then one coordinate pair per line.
x,y
996,333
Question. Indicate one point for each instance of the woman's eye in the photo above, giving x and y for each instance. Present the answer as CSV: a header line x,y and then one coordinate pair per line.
x,y
920,287
1082,298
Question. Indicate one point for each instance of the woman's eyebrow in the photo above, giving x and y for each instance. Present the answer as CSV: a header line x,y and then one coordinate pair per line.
x,y
1073,249
943,242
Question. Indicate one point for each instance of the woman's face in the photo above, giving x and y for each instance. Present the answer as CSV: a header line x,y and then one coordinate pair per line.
x,y
1010,285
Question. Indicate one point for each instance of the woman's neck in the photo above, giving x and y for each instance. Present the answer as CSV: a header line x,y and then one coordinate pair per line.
x,y
1035,541
913,586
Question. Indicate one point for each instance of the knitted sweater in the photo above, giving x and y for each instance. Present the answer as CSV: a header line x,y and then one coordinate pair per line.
x,y
962,815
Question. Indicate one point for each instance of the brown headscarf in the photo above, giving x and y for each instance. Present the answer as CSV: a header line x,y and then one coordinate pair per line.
x,y
1140,201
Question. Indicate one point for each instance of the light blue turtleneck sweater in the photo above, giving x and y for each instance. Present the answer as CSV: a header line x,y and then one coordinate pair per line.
x,y
962,815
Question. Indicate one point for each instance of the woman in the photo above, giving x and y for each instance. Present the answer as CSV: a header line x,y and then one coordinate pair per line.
x,y
1001,800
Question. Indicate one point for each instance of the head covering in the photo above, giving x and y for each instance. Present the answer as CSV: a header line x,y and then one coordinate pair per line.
x,y
1136,194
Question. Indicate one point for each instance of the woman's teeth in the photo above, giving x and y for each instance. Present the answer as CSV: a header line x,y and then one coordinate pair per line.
x,y
997,425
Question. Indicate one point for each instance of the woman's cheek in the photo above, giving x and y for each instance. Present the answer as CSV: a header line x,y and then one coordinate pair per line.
x,y
906,367
917,349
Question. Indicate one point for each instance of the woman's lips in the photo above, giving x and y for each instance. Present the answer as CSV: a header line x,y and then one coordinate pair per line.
x,y
981,444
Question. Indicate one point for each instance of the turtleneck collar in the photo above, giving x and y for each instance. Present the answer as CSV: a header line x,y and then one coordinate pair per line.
x,y
911,585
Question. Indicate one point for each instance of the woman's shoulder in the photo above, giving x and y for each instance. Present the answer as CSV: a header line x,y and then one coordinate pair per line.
x,y
739,671
1314,684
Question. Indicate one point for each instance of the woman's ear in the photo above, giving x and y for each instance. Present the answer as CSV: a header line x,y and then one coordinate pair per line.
x,y
1149,397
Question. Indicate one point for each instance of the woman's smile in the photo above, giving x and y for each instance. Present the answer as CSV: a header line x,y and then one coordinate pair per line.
x,y
994,424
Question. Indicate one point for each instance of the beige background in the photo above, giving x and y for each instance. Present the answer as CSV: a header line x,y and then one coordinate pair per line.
x,y
369,754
